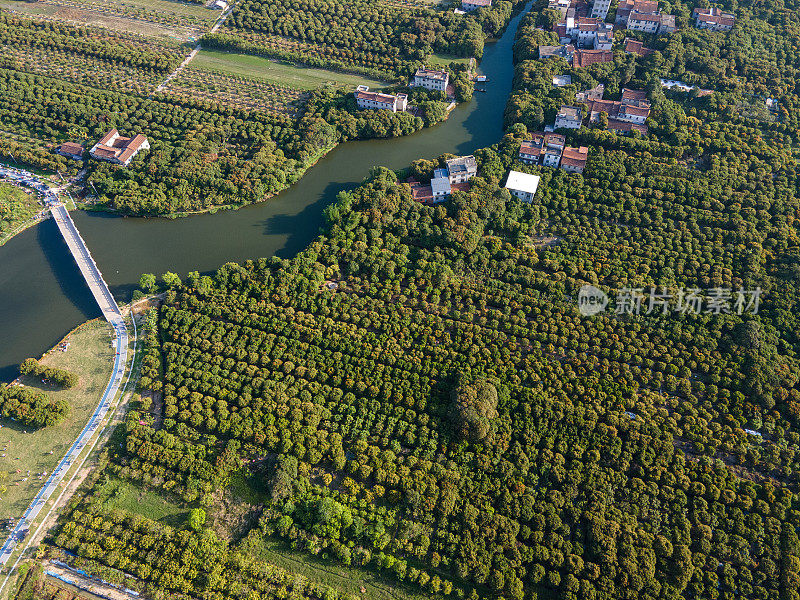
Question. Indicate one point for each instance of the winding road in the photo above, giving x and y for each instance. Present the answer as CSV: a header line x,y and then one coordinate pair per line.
x,y
113,315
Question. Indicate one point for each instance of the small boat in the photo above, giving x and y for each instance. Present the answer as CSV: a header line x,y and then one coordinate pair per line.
x,y
481,78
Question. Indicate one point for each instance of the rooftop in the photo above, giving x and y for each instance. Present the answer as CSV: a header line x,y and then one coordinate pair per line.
x,y
575,157
462,163
431,74
587,58
522,182
570,112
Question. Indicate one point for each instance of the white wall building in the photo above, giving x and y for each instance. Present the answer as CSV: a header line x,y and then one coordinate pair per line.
x,y
440,185
375,101
600,8
462,168
522,185
431,79
469,5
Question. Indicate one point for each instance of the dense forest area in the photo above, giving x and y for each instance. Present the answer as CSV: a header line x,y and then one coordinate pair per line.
x,y
444,415
378,38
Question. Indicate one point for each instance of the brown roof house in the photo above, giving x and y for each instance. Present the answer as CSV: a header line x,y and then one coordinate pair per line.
x,y
117,149
713,19
574,159
71,150
633,46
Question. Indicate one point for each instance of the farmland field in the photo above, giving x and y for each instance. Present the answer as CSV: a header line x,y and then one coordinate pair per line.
x,y
165,19
281,73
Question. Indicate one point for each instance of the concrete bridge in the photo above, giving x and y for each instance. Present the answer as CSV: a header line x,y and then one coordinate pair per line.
x,y
113,315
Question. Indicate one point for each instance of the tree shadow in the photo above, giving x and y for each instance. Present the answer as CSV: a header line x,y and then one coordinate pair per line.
x,y
311,219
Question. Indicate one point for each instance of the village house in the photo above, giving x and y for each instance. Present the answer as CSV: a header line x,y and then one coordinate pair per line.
x,y
71,150
431,79
713,19
522,185
376,101
644,16
633,46
440,185
565,52
453,178
595,93
561,6
462,168
624,115
569,117
574,159
542,149
593,33
583,59
469,5
117,149
600,9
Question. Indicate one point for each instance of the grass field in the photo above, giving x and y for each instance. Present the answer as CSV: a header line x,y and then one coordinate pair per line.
x,y
90,356
280,73
347,580
16,208
149,504
445,59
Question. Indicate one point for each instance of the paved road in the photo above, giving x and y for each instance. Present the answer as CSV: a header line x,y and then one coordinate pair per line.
x,y
111,312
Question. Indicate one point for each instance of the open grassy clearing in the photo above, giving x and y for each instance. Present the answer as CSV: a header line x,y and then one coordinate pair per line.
x,y
347,580
281,73
16,208
90,356
126,496
445,59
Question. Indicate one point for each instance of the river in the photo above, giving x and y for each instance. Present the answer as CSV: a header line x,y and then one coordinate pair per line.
x,y
44,296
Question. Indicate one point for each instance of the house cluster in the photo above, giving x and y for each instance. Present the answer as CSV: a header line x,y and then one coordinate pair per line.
x,y
644,16
377,101
430,79
117,149
454,177
713,19
585,32
112,148
625,115
550,150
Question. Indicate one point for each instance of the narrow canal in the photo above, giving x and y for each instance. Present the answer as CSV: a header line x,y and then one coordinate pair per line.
x,y
43,295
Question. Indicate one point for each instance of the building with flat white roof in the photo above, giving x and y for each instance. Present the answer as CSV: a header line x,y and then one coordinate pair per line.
x,y
440,185
522,185
431,79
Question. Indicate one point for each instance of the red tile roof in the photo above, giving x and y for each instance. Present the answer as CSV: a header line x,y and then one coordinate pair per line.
x,y
71,148
644,17
625,126
587,58
575,157
636,47
635,95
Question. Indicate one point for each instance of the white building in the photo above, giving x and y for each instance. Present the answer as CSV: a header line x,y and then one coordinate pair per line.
x,y
569,117
431,79
522,185
375,101
440,185
462,168
469,5
600,8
